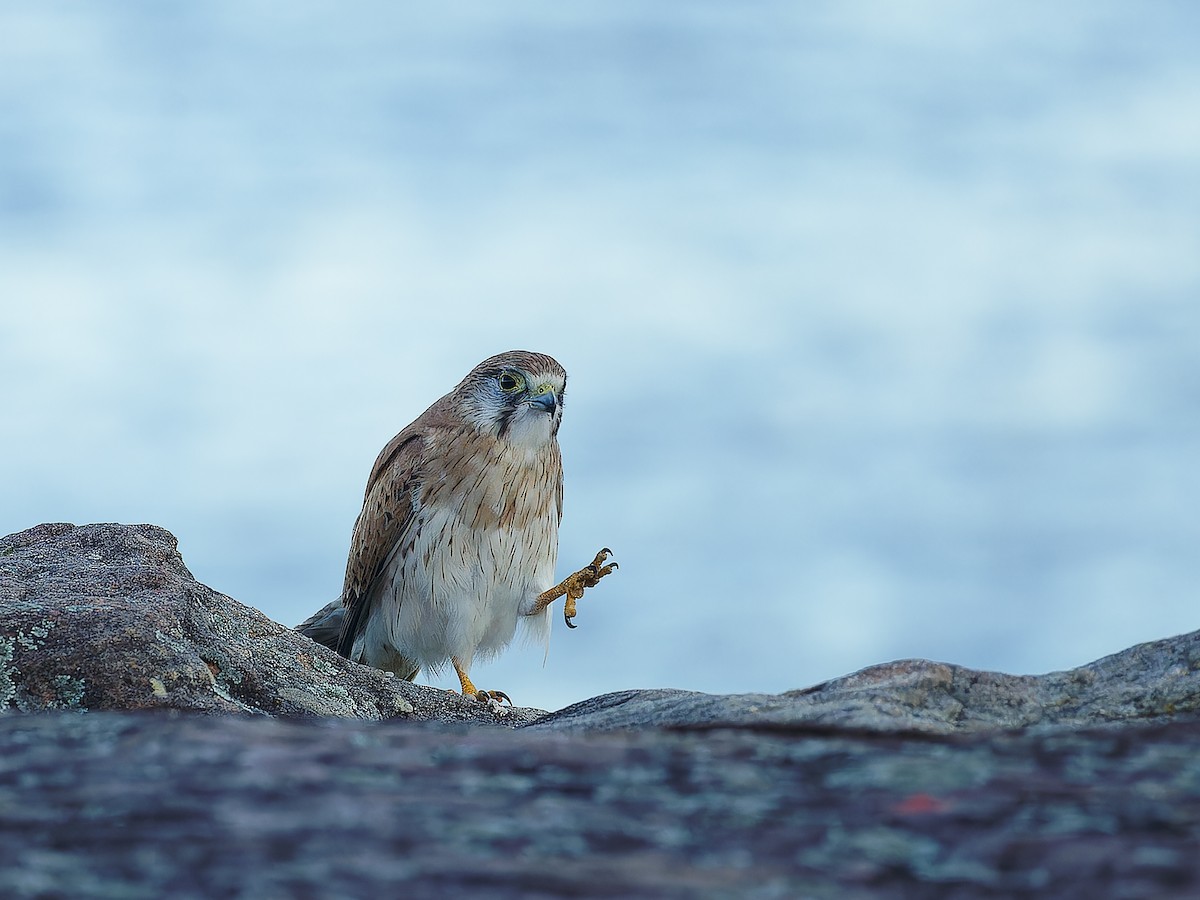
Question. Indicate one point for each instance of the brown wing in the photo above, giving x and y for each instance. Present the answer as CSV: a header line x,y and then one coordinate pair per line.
x,y
383,528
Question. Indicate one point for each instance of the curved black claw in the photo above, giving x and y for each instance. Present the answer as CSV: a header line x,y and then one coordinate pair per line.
x,y
598,567
498,696
587,577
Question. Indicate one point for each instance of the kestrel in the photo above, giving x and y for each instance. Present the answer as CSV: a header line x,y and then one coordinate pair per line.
x,y
458,535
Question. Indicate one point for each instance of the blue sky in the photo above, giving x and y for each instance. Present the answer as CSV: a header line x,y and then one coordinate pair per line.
x,y
881,323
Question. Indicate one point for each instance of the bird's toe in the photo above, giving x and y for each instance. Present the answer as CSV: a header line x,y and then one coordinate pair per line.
x,y
493,697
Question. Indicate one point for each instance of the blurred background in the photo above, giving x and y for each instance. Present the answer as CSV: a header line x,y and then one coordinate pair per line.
x,y
882,320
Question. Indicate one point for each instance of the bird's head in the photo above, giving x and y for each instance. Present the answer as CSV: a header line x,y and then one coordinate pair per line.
x,y
516,396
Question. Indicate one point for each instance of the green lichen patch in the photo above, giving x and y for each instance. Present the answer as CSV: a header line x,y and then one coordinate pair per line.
x,y
68,693
36,637
8,687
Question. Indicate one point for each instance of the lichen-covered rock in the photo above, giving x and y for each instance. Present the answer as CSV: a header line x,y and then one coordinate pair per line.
x,y
109,617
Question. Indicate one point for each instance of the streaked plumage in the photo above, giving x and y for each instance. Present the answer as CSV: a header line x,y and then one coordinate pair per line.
x,y
458,535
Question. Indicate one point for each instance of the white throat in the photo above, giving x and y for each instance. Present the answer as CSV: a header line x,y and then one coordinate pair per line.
x,y
530,429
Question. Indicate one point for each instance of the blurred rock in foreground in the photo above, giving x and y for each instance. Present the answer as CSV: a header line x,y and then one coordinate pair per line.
x,y
910,779
172,805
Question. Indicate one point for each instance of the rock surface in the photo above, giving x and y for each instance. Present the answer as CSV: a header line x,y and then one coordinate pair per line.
x,y
108,617
910,779
1158,680
160,805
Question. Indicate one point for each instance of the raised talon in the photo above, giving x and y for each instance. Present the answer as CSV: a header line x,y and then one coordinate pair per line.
x,y
573,586
588,576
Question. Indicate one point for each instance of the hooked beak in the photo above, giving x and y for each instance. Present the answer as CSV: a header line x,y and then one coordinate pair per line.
x,y
546,401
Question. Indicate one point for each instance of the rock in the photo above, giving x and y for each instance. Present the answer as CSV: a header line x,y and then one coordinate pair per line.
x,y
1158,680
157,805
911,779
108,617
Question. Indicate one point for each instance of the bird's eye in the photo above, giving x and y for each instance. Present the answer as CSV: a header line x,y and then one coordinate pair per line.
x,y
510,382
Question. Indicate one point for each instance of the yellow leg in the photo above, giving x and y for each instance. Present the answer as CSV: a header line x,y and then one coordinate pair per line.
x,y
574,585
469,689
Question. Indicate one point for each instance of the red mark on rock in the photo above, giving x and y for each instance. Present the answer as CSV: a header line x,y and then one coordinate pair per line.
x,y
920,805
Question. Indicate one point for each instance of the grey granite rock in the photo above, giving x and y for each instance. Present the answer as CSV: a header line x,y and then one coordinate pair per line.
x,y
911,779
157,804
1153,681
108,617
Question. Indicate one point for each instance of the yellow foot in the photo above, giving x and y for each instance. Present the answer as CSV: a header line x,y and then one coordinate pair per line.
x,y
490,696
469,690
574,586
